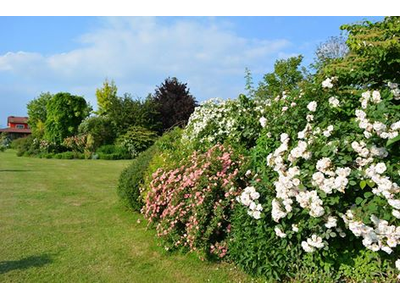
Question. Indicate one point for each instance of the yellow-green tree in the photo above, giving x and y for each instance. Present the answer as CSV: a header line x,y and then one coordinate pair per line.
x,y
106,96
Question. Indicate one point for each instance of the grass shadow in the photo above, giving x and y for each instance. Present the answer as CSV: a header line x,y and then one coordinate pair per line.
x,y
15,170
25,263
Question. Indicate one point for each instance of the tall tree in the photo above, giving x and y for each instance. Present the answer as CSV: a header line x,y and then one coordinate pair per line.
x,y
37,113
373,57
64,114
286,76
174,103
106,96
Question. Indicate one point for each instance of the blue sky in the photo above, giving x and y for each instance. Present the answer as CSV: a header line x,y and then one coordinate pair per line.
x,y
76,54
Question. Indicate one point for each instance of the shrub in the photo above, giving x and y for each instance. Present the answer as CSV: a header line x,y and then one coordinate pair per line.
x,y
113,152
25,146
137,139
330,180
132,178
80,144
190,206
101,130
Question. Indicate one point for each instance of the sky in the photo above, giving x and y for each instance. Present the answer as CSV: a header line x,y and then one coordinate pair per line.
x,y
210,54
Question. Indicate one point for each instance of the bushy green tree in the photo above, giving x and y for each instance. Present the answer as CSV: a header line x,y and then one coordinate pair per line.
x,y
37,113
106,96
373,58
287,75
174,103
125,112
64,114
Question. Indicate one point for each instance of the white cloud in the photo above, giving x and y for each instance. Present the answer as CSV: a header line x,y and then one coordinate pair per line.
x,y
138,53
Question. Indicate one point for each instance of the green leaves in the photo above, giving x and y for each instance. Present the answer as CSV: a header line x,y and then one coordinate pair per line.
x,y
392,141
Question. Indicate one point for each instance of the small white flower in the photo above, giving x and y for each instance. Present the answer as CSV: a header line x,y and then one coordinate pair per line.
x,y
327,83
263,122
285,108
284,137
279,232
312,106
398,264
396,213
332,222
295,228
334,102
380,168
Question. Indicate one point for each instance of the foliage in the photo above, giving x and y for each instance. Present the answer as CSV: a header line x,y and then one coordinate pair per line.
x,y
373,58
287,76
137,139
25,146
191,205
132,178
4,141
106,96
126,112
64,114
80,144
174,103
330,178
100,129
37,113
113,152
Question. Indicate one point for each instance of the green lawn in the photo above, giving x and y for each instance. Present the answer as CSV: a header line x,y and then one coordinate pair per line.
x,y
60,221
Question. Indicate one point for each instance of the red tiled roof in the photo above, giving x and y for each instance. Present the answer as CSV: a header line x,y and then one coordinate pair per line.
x,y
22,120
15,130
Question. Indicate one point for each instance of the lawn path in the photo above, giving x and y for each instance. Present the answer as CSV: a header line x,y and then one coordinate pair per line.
x,y
60,221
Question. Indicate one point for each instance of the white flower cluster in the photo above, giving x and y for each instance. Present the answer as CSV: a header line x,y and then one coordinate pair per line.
x,y
385,187
383,237
334,102
247,199
395,90
328,131
222,117
311,201
379,128
366,155
335,180
312,243
327,83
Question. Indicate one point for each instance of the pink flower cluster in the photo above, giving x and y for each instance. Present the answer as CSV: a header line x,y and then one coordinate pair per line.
x,y
191,205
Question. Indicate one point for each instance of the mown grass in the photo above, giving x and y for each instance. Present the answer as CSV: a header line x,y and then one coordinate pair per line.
x,y
60,221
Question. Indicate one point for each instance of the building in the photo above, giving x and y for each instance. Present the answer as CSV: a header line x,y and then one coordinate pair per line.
x,y
17,127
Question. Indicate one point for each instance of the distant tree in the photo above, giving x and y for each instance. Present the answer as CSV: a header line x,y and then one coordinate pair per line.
x,y
37,113
64,114
174,103
286,76
123,113
105,97
334,48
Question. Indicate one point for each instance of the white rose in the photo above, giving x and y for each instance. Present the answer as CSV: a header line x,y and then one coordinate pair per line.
x,y
263,122
312,106
380,168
